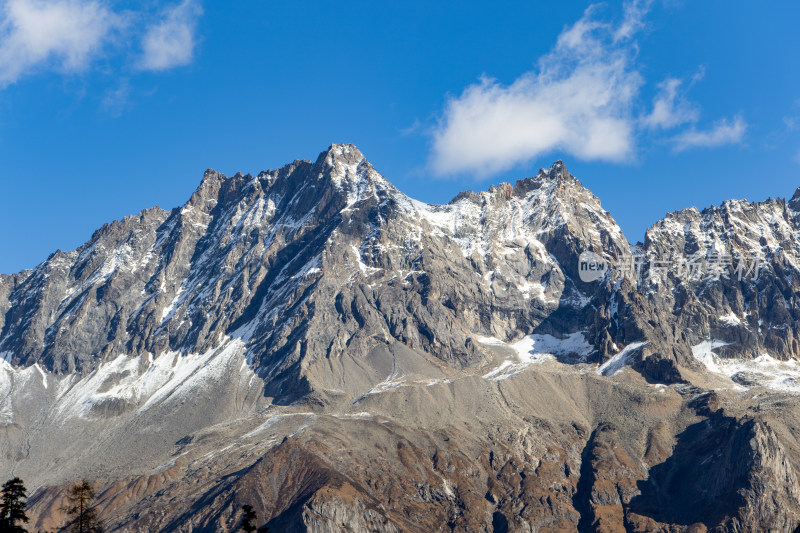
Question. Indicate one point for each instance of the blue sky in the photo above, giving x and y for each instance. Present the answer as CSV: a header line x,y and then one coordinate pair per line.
x,y
108,107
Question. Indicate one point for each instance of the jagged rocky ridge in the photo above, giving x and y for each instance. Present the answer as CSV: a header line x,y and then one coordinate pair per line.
x,y
314,261
185,338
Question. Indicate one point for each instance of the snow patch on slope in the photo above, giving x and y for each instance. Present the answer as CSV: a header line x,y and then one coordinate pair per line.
x,y
14,383
6,387
763,371
144,383
535,349
620,360
396,381
730,319
276,419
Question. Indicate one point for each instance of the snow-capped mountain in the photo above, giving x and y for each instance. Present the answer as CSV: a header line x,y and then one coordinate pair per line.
x,y
314,341
301,263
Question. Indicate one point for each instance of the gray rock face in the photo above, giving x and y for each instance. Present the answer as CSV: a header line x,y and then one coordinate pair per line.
x,y
313,262
314,342
744,286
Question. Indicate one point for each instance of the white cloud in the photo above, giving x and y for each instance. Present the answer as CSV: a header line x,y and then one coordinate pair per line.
x,y
170,42
584,99
723,132
670,108
68,33
580,100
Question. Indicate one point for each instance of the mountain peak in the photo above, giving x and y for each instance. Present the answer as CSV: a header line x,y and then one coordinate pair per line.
x,y
794,202
346,168
344,153
556,177
556,171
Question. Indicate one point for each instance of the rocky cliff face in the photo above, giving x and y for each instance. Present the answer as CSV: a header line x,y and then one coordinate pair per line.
x,y
733,274
313,262
314,342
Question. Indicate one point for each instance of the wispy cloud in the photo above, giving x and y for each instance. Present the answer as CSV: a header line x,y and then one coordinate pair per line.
x,y
117,100
670,107
633,19
68,35
699,75
580,100
792,120
723,132
65,34
170,42
413,128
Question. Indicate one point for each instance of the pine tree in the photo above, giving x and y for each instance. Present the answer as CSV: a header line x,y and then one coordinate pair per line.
x,y
12,508
83,514
249,518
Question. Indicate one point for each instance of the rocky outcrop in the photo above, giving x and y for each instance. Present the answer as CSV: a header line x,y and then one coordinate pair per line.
x,y
729,273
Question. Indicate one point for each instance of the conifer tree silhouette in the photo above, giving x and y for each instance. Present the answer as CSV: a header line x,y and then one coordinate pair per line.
x,y
79,508
12,507
249,519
